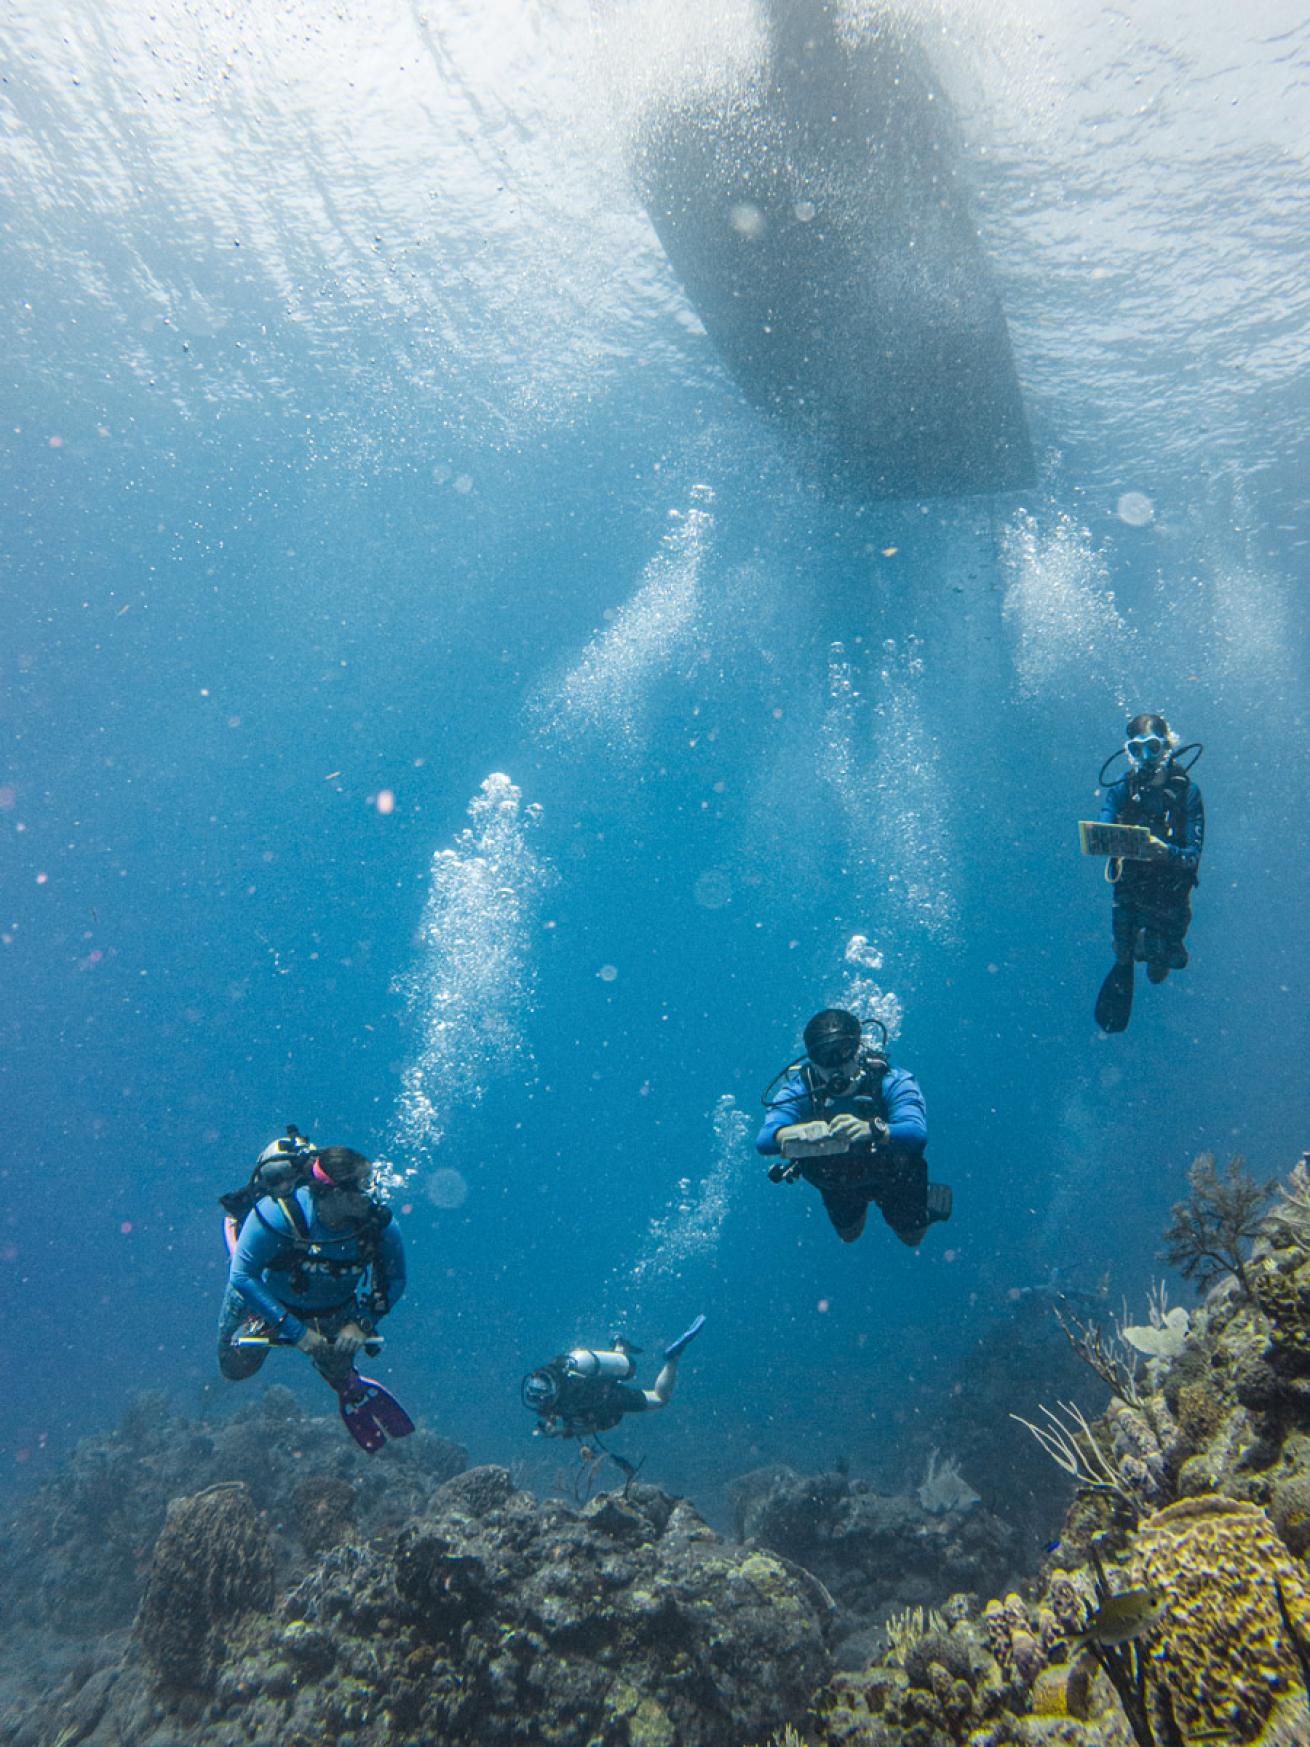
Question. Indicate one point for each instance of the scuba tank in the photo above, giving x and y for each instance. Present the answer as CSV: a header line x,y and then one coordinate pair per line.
x,y
614,1365
282,1168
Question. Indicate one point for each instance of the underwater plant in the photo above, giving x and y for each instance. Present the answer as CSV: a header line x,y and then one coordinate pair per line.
x,y
1288,1222
1213,1228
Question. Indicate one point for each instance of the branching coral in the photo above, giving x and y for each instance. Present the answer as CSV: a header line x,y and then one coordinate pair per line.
x,y
1287,1224
1212,1229
1071,1444
905,1627
1112,1362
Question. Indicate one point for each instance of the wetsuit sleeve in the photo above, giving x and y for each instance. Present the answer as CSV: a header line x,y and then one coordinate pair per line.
x,y
792,1104
1112,803
256,1248
907,1115
393,1266
1188,853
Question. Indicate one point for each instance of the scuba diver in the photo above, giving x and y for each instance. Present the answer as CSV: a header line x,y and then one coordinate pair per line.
x,y
589,1390
316,1263
1153,877
855,1127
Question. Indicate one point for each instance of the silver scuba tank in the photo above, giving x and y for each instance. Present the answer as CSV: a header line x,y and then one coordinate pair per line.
x,y
586,1362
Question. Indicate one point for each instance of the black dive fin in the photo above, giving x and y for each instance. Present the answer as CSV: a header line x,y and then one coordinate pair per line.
x,y
1114,1004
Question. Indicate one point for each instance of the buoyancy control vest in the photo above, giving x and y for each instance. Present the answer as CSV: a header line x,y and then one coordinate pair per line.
x,y
303,1258
860,1091
587,1402
1169,824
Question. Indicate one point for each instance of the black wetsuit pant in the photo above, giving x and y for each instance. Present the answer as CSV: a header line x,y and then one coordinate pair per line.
x,y
1150,918
897,1187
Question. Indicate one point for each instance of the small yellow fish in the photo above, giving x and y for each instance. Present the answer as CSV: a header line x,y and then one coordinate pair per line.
x,y
1121,1618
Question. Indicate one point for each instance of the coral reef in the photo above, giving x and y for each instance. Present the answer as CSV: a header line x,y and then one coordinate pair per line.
x,y
76,1557
212,1563
444,1605
875,1553
1225,1652
492,1617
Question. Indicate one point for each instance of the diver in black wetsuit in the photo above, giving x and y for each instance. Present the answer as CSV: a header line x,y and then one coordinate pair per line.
x,y
589,1390
1152,895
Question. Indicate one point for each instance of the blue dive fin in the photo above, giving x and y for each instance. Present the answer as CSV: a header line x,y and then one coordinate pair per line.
x,y
675,1347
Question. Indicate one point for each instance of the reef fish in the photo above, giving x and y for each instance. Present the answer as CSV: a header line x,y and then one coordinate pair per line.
x,y
1121,1618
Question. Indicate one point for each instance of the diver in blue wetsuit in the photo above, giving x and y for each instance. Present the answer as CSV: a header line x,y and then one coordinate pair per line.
x,y
1152,896
316,1264
855,1127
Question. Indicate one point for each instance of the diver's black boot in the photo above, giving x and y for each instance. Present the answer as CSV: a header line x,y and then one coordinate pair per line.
x,y
1156,972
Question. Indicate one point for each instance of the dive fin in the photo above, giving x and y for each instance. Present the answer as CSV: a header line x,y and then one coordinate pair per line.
x,y
685,1339
1114,1004
940,1202
371,1413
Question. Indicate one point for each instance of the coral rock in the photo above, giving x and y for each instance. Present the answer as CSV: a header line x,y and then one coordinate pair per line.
x,y
1222,1649
1064,1691
1281,1286
322,1511
212,1563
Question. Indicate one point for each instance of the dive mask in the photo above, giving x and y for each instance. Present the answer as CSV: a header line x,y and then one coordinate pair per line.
x,y
835,1071
539,1391
1145,749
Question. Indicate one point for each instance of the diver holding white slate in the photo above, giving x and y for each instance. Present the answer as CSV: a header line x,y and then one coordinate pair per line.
x,y
1152,829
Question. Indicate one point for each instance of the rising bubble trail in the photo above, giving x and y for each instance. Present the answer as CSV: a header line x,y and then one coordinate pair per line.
x,y
1061,610
689,1230
607,692
472,984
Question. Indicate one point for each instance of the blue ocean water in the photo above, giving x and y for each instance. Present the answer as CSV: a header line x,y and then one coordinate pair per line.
x,y
360,450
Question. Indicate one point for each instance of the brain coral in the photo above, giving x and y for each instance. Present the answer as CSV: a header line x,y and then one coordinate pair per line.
x,y
1222,1649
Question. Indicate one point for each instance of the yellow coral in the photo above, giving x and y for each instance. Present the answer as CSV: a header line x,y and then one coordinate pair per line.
x,y
906,1628
1064,1691
1221,1649
1282,1290
1201,1413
